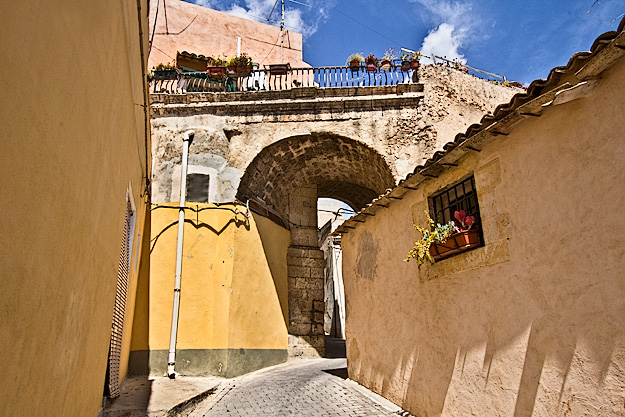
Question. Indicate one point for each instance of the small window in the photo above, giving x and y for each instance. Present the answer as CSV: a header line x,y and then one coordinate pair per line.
x,y
457,197
197,188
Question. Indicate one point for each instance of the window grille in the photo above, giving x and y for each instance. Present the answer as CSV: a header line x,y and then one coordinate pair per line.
x,y
456,197
115,348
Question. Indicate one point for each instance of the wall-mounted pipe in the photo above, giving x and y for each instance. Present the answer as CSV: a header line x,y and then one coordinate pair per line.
x,y
171,360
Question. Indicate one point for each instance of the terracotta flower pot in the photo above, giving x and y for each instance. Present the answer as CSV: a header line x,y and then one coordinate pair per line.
x,y
219,70
371,67
244,70
457,242
279,69
414,65
354,65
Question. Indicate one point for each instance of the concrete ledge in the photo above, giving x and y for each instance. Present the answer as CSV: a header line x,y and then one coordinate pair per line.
x,y
291,94
287,106
226,363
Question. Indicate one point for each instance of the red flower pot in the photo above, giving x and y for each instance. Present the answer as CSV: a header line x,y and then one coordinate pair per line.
x,y
279,69
371,67
414,65
354,65
216,70
456,243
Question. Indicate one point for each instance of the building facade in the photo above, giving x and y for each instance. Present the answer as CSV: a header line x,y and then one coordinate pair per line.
x,y
527,319
74,173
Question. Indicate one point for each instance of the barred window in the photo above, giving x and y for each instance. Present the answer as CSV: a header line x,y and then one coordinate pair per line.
x,y
457,197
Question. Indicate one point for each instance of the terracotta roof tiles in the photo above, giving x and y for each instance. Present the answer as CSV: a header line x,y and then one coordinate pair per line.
x,y
496,121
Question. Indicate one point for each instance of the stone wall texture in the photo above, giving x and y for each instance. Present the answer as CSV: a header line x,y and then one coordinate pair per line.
x,y
397,126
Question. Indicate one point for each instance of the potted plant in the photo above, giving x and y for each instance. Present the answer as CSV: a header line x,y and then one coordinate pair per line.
x,y
355,60
216,66
387,59
279,69
444,239
372,63
464,238
241,65
410,61
164,72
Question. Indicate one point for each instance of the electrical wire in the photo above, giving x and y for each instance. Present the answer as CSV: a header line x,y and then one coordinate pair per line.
x,y
364,25
260,19
271,50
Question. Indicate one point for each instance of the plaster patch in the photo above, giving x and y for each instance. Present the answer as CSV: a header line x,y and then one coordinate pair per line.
x,y
367,261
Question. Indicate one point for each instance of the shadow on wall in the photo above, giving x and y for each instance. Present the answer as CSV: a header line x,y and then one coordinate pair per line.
x,y
275,255
238,222
140,325
495,345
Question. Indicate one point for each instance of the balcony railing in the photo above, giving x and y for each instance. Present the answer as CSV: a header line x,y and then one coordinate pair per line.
x,y
268,80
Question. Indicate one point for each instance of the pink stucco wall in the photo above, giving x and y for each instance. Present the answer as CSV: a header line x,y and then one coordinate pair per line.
x,y
205,31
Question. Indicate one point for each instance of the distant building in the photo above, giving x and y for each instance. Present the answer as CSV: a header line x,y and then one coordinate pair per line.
x,y
182,26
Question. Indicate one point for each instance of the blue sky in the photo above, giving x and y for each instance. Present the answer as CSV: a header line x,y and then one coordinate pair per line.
x,y
520,39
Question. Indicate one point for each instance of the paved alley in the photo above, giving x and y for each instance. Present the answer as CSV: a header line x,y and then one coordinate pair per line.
x,y
305,387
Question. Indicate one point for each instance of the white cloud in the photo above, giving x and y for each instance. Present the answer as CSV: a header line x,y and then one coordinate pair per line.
x,y
454,24
448,11
443,41
259,10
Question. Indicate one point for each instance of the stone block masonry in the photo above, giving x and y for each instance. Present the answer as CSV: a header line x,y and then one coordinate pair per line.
x,y
305,270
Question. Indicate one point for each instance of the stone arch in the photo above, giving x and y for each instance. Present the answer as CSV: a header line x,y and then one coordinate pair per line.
x,y
340,168
290,175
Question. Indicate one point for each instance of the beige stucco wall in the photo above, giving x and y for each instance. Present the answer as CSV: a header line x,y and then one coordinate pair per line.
x,y
73,142
209,32
530,324
233,292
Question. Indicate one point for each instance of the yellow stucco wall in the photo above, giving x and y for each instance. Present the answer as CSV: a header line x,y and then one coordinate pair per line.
x,y
73,142
233,291
530,324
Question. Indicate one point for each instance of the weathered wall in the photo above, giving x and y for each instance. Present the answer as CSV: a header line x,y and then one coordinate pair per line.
x,y
348,143
73,142
404,128
201,30
233,305
529,324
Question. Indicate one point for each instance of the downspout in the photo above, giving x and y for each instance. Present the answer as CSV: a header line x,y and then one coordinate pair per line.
x,y
171,360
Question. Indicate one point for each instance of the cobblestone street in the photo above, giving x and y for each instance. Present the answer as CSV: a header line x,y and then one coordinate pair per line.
x,y
305,387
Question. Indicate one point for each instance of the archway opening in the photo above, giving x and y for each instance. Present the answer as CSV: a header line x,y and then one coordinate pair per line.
x,y
288,177
331,213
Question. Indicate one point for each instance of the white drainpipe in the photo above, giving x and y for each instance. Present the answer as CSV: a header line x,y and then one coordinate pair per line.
x,y
171,361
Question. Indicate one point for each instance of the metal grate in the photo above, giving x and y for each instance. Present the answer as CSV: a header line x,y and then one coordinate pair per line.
x,y
115,349
459,196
